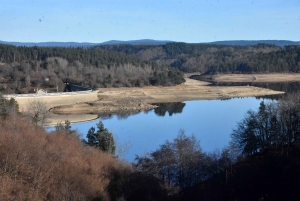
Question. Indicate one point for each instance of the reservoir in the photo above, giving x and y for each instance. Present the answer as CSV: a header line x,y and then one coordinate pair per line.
x,y
211,121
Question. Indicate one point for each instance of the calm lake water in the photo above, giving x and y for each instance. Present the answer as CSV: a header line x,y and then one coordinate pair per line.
x,y
211,121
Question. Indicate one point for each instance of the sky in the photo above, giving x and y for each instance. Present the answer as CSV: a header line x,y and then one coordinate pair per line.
x,y
191,21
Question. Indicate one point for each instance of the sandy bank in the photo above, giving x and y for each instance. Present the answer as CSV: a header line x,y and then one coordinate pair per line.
x,y
54,119
274,77
113,100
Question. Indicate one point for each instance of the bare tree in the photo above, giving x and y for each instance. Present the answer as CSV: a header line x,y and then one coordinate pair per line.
x,y
38,112
176,163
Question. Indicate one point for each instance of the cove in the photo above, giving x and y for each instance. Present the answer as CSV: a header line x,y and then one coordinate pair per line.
x,y
211,121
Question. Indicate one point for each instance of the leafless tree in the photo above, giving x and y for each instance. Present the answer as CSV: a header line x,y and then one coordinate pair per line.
x,y
38,112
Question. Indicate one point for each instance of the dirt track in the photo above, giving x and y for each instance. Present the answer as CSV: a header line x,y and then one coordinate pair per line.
x,y
113,100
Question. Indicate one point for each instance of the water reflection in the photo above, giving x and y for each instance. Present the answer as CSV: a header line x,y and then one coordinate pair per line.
x,y
171,108
120,116
211,121
161,110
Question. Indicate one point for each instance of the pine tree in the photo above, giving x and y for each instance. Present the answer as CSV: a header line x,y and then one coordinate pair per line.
x,y
102,139
91,137
66,127
3,107
106,139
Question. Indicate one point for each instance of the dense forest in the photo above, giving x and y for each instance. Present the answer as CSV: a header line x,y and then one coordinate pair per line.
x,y
260,163
209,58
25,68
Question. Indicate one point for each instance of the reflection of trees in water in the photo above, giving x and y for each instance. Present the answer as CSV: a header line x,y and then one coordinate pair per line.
x,y
104,116
270,97
161,110
171,108
146,111
120,116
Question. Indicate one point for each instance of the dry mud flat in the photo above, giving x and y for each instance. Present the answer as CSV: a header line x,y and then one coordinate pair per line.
x,y
274,77
113,100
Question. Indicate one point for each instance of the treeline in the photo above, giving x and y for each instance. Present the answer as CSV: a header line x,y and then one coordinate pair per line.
x,y
275,127
210,59
269,139
262,161
182,163
25,68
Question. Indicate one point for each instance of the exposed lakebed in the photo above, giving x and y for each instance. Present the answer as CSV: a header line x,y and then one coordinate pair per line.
x,y
211,121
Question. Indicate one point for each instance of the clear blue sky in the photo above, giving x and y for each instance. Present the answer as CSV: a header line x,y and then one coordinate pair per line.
x,y
178,20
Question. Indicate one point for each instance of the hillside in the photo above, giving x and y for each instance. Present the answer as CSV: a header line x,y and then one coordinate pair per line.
x,y
25,68
213,58
124,65
36,165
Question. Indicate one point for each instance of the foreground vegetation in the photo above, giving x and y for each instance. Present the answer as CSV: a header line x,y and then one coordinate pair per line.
x,y
36,165
262,162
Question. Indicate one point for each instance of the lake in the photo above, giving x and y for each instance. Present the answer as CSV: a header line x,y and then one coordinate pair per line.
x,y
211,121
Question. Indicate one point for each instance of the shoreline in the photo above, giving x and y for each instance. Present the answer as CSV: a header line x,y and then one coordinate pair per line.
x,y
126,100
272,77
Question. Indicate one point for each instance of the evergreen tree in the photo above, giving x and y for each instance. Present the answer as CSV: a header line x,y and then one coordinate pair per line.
x,y
3,107
8,106
66,127
91,136
102,139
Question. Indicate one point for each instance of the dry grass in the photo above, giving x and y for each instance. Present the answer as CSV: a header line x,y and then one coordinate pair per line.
x,y
112,100
36,165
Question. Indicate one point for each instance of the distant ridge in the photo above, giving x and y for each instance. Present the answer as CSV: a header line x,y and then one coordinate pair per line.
x,y
85,44
137,42
280,43
50,44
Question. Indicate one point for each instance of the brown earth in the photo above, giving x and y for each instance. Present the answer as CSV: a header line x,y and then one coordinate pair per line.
x,y
55,119
274,77
112,100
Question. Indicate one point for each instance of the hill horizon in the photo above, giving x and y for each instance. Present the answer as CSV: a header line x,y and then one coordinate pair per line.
x,y
280,43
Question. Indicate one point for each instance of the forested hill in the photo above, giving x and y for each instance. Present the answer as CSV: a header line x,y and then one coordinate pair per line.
x,y
280,43
86,44
211,58
24,68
